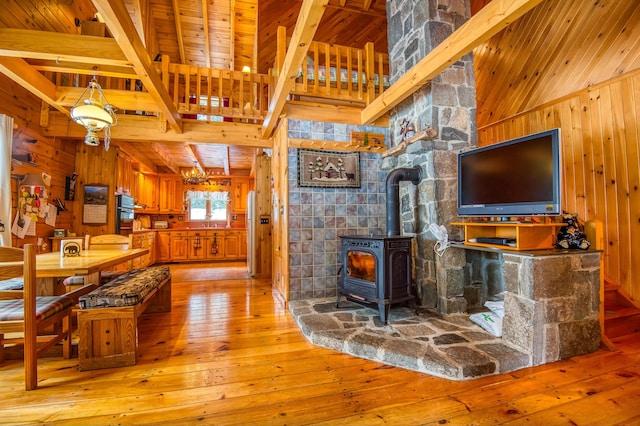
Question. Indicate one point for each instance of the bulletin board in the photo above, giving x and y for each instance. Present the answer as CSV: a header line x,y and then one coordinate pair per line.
x,y
96,200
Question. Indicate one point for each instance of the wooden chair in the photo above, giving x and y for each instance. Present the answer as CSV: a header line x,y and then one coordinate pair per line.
x,y
103,242
23,314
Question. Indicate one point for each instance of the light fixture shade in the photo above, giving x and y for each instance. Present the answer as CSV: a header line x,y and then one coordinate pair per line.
x,y
32,179
92,116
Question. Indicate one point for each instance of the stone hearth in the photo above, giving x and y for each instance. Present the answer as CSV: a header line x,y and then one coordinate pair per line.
x,y
551,313
451,347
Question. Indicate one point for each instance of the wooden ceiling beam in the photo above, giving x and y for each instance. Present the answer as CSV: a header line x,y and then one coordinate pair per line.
x,y
147,129
165,156
489,21
195,156
329,113
138,156
308,19
122,99
78,68
61,47
22,73
207,38
119,23
178,22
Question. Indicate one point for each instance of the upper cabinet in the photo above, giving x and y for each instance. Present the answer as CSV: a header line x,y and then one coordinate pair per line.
x,y
170,194
124,174
145,192
240,190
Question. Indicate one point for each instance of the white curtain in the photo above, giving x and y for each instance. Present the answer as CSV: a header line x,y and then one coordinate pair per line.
x,y
6,138
208,195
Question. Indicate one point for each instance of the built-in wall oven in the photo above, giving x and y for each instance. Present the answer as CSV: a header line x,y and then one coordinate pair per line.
x,y
124,214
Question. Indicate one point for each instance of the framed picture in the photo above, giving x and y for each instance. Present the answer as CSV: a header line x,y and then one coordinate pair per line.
x,y
96,200
328,169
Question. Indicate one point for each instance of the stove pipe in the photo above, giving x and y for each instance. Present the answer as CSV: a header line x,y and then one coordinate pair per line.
x,y
413,174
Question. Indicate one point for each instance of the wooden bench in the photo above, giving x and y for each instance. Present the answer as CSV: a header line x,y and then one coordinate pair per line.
x,y
108,316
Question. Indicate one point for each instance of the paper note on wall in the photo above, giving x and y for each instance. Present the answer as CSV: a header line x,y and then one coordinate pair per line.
x,y
52,215
20,225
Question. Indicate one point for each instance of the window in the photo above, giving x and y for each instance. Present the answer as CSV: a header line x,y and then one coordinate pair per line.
x,y
208,205
214,105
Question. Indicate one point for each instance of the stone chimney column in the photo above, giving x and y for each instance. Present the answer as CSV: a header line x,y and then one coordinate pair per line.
x,y
447,104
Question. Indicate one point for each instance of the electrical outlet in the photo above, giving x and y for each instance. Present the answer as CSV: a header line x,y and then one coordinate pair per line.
x,y
264,221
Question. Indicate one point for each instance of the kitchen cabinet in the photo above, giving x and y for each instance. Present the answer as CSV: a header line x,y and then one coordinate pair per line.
x,y
144,240
231,245
179,246
242,237
240,191
197,245
170,194
200,245
124,173
145,193
215,245
163,246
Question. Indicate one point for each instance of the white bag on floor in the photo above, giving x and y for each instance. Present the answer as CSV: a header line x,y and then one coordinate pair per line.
x,y
489,321
496,306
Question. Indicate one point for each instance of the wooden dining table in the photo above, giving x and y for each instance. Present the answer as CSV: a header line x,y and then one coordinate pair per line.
x,y
52,266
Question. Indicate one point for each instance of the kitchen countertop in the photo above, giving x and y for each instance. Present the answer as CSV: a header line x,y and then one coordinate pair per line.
x,y
188,229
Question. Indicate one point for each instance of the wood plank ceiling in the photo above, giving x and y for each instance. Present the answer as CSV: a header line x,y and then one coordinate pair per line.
x,y
542,56
555,50
222,34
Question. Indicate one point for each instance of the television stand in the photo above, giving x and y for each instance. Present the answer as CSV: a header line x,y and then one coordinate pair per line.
x,y
522,236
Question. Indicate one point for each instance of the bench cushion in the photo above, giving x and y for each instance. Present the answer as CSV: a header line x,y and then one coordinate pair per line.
x,y
12,284
126,290
46,306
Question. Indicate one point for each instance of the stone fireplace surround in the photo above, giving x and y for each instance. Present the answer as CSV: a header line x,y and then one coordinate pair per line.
x,y
551,313
557,318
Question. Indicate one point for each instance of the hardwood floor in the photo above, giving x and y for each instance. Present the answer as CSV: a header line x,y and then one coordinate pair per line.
x,y
229,353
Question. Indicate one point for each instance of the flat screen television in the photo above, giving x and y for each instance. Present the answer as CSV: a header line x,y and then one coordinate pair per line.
x,y
518,177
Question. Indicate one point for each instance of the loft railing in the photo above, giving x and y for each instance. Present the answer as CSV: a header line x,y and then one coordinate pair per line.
x,y
211,94
339,72
198,93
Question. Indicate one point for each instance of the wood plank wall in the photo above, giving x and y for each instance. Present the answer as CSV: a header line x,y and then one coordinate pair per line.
x,y
600,129
95,166
54,156
280,172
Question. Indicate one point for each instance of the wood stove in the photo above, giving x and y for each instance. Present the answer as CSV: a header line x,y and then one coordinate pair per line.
x,y
376,271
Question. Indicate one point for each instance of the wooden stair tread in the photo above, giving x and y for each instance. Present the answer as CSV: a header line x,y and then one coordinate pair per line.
x,y
620,311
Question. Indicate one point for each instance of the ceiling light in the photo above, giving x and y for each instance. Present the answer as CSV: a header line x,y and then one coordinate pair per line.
x,y
195,176
95,114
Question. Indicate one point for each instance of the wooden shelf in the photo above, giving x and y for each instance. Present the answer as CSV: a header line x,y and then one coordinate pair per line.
x,y
527,236
422,135
333,145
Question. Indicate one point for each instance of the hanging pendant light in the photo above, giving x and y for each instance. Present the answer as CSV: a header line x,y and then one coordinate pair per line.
x,y
95,114
195,176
